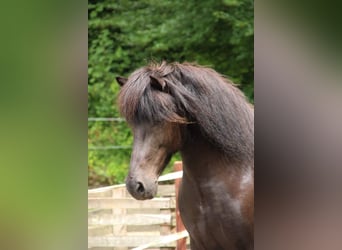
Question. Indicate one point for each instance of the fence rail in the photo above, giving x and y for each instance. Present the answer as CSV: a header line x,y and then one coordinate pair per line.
x,y
116,221
108,147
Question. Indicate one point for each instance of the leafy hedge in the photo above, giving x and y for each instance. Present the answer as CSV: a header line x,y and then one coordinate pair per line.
x,y
126,34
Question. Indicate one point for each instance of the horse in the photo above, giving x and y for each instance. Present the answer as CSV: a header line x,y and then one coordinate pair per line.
x,y
192,109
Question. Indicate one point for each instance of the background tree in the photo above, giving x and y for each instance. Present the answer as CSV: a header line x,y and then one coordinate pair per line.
x,y
126,34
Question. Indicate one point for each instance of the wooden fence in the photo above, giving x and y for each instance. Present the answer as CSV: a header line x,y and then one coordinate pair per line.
x,y
116,221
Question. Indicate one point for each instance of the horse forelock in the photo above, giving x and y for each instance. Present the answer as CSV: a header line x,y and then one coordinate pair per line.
x,y
140,102
194,94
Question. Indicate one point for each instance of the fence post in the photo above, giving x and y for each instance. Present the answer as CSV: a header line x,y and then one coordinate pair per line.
x,y
181,243
119,230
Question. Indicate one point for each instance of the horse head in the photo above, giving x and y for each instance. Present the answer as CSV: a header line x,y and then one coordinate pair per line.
x,y
155,140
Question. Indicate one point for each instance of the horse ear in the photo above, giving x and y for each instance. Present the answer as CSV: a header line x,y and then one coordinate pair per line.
x,y
121,80
158,83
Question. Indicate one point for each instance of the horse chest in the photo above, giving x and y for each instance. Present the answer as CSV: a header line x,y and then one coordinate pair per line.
x,y
214,221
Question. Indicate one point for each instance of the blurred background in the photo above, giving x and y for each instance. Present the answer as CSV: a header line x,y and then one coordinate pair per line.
x,y
125,35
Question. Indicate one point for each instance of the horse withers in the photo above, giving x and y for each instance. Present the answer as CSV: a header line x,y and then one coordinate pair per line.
x,y
196,111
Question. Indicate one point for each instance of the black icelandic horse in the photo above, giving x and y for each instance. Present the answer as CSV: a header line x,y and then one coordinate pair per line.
x,y
196,111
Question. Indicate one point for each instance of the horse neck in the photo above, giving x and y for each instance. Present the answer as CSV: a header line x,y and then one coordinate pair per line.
x,y
203,160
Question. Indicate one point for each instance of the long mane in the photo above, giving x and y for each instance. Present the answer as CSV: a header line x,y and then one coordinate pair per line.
x,y
196,95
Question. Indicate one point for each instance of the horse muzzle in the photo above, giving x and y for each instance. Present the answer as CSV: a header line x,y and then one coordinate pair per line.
x,y
141,189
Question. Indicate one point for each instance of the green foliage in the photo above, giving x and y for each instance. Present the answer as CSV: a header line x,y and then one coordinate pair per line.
x,y
126,34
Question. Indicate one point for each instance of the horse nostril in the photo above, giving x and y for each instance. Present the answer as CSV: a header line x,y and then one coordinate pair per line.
x,y
140,188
